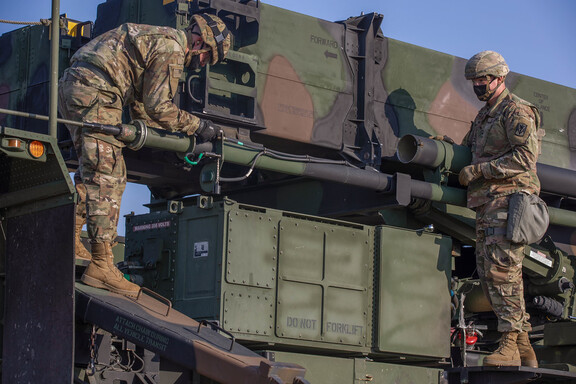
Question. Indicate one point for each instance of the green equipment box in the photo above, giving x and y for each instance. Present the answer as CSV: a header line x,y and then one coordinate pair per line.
x,y
277,278
266,275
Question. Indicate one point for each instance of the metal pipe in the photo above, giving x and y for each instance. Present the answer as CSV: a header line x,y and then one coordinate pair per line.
x,y
54,47
431,153
237,153
137,135
439,193
41,117
562,217
561,181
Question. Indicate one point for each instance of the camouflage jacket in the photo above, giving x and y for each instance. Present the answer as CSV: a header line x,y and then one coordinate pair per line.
x,y
142,64
503,140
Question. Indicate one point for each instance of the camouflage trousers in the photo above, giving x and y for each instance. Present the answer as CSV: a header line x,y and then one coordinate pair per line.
x,y
101,171
499,264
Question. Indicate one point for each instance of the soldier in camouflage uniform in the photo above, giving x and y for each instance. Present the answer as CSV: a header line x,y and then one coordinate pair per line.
x,y
504,145
137,66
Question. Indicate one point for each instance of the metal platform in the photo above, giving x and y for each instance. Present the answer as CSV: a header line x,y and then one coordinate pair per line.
x,y
200,346
509,375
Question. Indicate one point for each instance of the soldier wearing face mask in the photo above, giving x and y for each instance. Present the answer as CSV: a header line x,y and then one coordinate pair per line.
x,y
137,66
504,145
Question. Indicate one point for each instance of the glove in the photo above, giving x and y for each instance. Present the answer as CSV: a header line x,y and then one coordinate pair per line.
x,y
469,173
207,131
445,138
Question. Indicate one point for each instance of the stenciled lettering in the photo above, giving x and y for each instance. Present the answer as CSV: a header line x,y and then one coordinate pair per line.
x,y
540,95
297,111
144,227
141,333
343,328
322,41
299,322
542,98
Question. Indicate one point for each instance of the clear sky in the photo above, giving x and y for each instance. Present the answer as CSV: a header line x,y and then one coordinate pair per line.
x,y
536,37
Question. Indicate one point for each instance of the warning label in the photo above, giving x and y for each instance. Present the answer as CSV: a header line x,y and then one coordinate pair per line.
x,y
150,226
201,249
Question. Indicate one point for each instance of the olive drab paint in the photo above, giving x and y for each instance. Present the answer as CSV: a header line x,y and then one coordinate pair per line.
x,y
309,233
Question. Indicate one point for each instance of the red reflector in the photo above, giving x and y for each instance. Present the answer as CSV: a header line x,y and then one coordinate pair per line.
x,y
472,339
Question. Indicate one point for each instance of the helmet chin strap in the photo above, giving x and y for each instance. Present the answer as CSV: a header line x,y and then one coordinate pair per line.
x,y
483,91
192,56
219,37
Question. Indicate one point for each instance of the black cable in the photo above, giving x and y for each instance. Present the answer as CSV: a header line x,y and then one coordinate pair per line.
x,y
289,157
240,178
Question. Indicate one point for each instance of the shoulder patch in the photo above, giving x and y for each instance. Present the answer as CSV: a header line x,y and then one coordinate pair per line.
x,y
520,129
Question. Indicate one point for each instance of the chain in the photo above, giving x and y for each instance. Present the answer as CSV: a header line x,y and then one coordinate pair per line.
x,y
218,171
92,365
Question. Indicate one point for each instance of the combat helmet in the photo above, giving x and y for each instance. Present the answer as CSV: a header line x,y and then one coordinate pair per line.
x,y
214,33
486,63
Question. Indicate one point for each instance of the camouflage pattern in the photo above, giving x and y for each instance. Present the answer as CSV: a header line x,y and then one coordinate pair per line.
x,y
208,36
504,142
101,170
499,266
309,94
104,175
306,94
138,112
136,65
81,191
486,63
139,63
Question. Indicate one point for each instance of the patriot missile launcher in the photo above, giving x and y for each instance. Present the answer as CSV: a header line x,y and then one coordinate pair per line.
x,y
323,228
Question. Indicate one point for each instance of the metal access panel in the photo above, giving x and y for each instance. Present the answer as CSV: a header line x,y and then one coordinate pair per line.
x,y
39,303
414,292
36,263
323,281
176,250
151,244
296,279
268,276
337,370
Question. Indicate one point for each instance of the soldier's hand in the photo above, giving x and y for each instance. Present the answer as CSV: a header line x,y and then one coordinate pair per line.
x,y
469,173
207,130
445,138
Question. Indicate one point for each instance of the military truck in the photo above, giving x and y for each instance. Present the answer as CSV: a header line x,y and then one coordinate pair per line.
x,y
323,238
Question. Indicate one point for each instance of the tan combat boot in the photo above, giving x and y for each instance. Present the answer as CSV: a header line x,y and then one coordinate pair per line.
x,y
527,355
507,353
80,250
102,273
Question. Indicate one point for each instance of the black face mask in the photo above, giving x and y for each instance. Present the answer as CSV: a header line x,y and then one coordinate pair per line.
x,y
483,91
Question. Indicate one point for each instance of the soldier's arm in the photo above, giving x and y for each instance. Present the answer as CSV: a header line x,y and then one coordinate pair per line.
x,y
160,86
138,112
521,133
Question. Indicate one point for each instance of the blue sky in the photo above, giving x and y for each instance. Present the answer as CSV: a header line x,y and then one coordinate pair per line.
x,y
536,37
